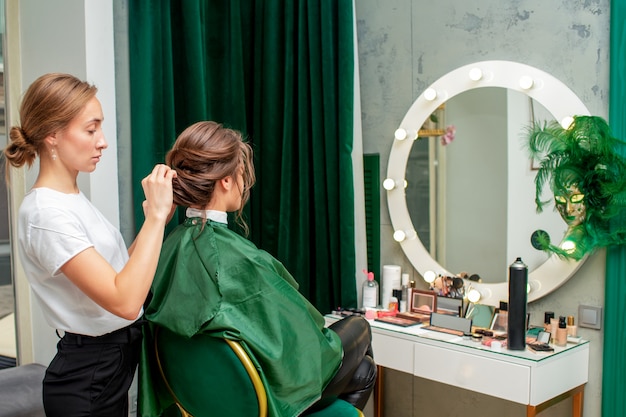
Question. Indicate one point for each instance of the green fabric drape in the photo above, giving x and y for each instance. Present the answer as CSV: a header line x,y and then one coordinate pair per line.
x,y
614,360
281,72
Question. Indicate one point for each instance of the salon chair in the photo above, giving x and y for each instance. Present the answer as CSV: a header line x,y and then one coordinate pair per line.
x,y
20,391
230,387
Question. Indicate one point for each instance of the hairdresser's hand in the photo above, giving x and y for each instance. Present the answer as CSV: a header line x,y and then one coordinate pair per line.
x,y
157,187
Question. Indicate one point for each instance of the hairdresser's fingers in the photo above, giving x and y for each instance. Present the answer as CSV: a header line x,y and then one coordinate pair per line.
x,y
157,187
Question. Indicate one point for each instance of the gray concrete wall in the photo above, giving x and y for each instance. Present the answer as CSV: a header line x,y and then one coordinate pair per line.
x,y
404,46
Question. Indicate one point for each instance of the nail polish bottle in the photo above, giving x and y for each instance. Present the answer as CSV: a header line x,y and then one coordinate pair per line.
x,y
561,332
571,327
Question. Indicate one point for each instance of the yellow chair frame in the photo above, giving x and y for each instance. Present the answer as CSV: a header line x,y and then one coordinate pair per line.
x,y
247,364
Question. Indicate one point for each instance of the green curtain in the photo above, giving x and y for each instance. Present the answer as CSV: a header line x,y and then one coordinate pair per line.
x,y
614,360
282,72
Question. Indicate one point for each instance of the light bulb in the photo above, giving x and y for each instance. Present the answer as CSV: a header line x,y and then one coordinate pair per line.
x,y
399,235
430,276
568,246
430,94
400,134
526,82
475,74
567,121
389,184
473,295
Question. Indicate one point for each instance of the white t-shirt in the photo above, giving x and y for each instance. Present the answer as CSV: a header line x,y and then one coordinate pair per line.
x,y
53,227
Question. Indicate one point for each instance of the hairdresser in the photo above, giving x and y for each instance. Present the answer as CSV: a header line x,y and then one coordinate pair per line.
x,y
90,287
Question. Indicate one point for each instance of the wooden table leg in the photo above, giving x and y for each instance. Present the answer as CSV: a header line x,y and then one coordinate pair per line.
x,y
378,392
577,404
576,394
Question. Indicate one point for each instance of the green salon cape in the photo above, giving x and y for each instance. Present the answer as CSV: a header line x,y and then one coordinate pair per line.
x,y
211,280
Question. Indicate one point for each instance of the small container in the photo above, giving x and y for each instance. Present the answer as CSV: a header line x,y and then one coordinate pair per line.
x,y
370,313
393,303
477,337
572,329
561,332
370,292
398,295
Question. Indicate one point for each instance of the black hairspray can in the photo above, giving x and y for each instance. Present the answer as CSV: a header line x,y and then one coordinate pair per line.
x,y
518,282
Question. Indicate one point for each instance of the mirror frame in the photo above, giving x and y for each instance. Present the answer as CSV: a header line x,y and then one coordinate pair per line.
x,y
554,95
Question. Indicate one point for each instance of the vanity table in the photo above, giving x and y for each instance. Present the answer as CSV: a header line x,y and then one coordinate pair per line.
x,y
537,380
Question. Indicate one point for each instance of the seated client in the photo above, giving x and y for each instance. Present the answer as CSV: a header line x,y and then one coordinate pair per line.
x,y
211,280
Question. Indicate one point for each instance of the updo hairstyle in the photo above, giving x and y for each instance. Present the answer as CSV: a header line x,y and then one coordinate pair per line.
x,y
204,153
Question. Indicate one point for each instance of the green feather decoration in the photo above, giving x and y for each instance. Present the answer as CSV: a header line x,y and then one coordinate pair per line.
x,y
585,156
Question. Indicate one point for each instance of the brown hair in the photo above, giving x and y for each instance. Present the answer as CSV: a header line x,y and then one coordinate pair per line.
x,y
204,153
48,106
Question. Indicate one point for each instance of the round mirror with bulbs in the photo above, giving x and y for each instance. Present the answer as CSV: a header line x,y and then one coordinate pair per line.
x,y
520,79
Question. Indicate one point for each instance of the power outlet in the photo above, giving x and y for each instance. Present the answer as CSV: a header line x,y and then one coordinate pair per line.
x,y
590,317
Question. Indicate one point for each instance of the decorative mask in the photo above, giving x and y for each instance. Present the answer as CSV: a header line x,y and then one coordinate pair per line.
x,y
587,176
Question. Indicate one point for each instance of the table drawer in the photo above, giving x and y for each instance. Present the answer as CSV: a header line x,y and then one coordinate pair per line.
x,y
476,373
392,352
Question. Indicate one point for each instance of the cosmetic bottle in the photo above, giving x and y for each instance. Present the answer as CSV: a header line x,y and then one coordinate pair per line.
x,y
571,327
398,295
554,325
393,303
370,292
516,326
547,325
404,300
561,332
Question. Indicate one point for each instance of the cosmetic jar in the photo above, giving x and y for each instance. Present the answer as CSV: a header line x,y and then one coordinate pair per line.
x,y
477,337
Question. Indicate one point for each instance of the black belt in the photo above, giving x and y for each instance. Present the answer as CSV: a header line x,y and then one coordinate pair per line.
x,y
124,335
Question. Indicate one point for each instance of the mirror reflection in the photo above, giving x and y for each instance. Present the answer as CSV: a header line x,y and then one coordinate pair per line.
x,y
466,197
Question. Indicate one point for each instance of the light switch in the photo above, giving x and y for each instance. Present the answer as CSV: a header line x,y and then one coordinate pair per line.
x,y
590,316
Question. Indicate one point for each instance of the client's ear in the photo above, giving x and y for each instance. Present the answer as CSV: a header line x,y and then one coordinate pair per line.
x,y
226,183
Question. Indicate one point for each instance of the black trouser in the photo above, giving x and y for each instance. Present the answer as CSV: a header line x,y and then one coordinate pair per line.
x,y
90,376
354,381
